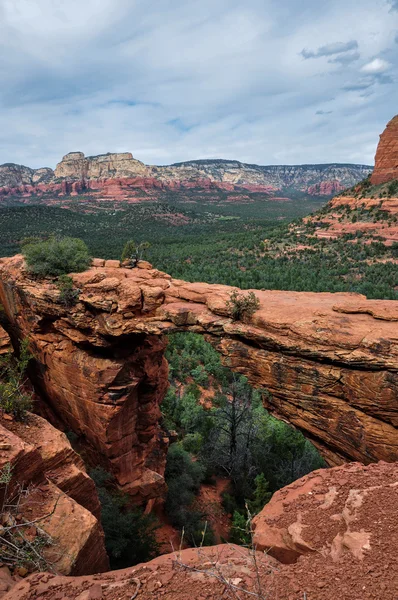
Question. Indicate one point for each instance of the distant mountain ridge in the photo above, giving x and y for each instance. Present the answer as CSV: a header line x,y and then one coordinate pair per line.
x,y
122,176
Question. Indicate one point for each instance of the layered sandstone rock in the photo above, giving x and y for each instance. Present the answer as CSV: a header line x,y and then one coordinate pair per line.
x,y
334,530
5,342
62,499
115,165
119,176
386,160
329,362
106,388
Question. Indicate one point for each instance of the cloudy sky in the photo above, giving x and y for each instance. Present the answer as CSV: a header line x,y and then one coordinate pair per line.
x,y
263,81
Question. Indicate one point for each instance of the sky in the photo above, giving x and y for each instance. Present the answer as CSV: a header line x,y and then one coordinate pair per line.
x,y
261,81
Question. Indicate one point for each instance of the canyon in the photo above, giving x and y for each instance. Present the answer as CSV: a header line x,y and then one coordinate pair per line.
x,y
119,177
329,365
328,362
325,362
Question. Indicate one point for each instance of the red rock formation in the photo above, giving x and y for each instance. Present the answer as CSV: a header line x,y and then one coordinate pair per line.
x,y
343,519
62,495
103,387
121,177
386,160
379,225
329,361
5,342
335,531
326,188
174,576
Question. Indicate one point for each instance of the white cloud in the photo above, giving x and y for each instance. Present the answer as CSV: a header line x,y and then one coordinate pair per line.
x,y
375,66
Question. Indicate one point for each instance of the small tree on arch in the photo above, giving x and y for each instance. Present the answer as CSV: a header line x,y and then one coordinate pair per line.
x,y
133,252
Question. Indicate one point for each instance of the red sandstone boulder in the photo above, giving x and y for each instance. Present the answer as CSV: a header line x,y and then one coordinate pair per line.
x,y
62,497
98,262
333,512
112,264
144,264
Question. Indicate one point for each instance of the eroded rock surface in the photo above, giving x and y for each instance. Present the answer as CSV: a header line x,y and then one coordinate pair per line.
x,y
328,361
62,497
335,531
5,342
334,512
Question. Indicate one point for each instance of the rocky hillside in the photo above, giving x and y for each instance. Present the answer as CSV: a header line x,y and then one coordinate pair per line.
x,y
122,177
322,180
366,212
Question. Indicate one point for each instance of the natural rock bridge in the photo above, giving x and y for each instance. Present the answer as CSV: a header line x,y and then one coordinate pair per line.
x,y
328,361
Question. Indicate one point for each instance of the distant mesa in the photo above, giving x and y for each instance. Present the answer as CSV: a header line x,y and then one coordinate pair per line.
x,y
120,176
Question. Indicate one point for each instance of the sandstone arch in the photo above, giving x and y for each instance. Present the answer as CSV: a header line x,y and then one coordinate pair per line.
x,y
330,361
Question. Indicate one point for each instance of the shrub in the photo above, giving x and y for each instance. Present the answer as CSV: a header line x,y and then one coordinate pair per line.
x,y
68,295
129,533
261,495
200,376
14,399
193,443
392,189
242,305
240,531
133,252
56,256
21,544
183,477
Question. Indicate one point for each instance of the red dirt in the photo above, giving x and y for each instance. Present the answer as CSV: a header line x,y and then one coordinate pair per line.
x,y
209,501
167,536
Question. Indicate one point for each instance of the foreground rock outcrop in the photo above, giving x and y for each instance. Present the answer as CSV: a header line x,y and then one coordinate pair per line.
x,y
386,160
329,362
334,512
62,499
334,530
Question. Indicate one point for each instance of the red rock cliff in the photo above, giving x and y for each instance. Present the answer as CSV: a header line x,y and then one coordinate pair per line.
x,y
329,361
386,160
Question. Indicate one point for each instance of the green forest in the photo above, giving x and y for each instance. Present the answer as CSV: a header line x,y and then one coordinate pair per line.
x,y
230,435
247,245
